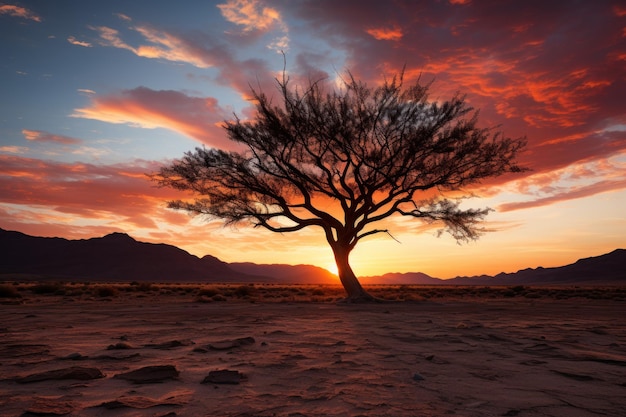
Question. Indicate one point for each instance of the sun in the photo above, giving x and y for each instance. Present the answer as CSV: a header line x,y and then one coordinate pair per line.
x,y
332,268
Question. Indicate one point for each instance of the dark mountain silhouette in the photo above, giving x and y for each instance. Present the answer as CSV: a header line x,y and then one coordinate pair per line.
x,y
113,257
305,274
608,269
119,257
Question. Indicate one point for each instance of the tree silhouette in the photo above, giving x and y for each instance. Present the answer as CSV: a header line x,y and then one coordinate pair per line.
x,y
343,159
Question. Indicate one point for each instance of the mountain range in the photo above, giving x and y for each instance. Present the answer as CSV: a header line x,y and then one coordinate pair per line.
x,y
119,257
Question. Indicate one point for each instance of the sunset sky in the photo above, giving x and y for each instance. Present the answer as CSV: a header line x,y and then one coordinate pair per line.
x,y
95,94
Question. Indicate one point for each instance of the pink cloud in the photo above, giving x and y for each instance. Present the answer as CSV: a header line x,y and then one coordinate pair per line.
x,y
120,193
570,194
251,14
199,50
40,136
386,33
18,11
197,117
75,41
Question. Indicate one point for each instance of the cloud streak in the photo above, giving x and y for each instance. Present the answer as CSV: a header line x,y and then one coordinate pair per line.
x,y
40,136
18,11
94,193
196,117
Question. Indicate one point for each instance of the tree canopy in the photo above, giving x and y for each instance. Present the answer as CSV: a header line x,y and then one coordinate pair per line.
x,y
344,158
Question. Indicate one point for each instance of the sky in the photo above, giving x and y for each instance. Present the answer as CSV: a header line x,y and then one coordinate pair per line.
x,y
95,95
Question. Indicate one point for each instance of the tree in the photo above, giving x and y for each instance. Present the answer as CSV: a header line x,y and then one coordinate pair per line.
x,y
343,159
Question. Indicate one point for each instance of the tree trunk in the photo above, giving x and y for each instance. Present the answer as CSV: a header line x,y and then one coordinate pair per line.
x,y
348,279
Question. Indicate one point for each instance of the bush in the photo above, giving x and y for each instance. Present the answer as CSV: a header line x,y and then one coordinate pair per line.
x,y
244,291
9,291
107,291
208,292
48,288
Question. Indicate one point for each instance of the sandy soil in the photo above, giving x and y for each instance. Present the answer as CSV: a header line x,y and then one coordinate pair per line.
x,y
429,358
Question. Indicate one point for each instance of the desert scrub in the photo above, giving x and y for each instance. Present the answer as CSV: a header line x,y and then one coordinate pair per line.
x,y
55,288
106,291
208,292
9,291
244,291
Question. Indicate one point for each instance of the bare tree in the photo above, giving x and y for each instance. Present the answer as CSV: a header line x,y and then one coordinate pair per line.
x,y
343,159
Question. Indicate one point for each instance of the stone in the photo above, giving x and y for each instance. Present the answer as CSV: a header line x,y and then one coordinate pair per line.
x,y
171,344
230,344
140,402
74,372
50,407
150,374
418,377
224,376
119,345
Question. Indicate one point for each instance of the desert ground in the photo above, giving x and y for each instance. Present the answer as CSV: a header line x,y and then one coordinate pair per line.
x,y
136,349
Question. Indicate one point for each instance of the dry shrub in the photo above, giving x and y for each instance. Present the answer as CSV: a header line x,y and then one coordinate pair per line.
x,y
244,291
9,291
106,291
317,291
56,288
208,292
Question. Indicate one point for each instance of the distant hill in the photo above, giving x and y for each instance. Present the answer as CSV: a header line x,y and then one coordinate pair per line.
x,y
608,269
113,257
119,257
305,274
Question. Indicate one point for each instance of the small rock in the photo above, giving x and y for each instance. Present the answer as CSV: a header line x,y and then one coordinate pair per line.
x,y
74,372
119,345
230,344
171,344
150,374
417,377
50,407
74,357
140,402
224,377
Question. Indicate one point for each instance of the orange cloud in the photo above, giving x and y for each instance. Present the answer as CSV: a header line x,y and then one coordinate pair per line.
x,y
94,193
75,41
386,34
196,117
162,45
570,194
40,136
250,14
17,11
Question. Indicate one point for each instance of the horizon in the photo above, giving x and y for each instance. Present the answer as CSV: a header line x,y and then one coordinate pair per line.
x,y
95,99
329,270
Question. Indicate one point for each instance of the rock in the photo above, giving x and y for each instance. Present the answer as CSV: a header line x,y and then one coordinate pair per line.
x,y
230,344
144,402
118,357
49,407
224,377
74,372
418,377
150,374
577,377
18,350
119,345
437,360
171,344
74,357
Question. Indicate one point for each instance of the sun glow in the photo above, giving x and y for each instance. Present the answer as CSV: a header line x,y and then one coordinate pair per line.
x,y
332,268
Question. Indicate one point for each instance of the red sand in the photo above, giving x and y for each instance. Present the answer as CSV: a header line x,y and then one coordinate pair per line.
x,y
433,358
